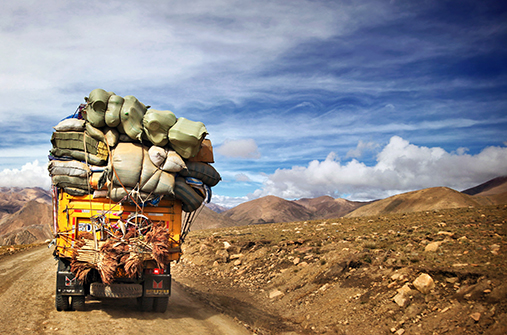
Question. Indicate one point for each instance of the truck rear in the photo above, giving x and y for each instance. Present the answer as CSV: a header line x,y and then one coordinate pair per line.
x,y
128,182
109,250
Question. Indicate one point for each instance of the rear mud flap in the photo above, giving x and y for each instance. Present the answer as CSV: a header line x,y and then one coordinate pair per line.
x,y
66,282
157,285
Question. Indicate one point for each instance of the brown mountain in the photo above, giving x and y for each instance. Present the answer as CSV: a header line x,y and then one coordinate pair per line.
x,y
25,215
216,208
12,199
269,209
32,223
208,218
492,192
327,207
423,200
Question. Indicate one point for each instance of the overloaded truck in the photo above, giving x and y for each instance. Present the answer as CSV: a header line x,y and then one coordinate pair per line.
x,y
128,181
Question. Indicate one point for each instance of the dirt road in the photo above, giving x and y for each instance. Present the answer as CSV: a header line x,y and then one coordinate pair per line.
x,y
27,293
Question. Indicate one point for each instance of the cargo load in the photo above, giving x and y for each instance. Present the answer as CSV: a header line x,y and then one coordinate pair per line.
x,y
128,181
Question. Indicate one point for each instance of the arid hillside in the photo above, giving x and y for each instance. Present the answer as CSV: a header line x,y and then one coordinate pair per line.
x,y
208,219
434,198
13,198
326,207
268,209
26,216
428,272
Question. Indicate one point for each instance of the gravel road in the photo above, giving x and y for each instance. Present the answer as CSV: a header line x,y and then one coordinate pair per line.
x,y
27,293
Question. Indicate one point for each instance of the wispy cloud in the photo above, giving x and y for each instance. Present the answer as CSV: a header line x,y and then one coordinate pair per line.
x,y
278,84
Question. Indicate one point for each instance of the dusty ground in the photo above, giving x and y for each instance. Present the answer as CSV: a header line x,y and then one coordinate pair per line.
x,y
27,288
356,276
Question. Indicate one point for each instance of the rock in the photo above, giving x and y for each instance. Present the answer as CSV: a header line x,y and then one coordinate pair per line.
x,y
303,264
400,331
446,233
402,298
223,256
494,249
476,316
424,283
236,256
275,293
452,280
237,262
303,250
227,245
296,261
433,246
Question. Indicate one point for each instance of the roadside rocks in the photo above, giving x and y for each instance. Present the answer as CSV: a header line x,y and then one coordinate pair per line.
x,y
424,283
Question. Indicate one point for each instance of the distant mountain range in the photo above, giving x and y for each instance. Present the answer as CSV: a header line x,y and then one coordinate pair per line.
x,y
26,216
271,209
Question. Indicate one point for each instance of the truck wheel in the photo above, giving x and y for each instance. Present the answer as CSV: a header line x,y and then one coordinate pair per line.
x,y
78,303
62,302
160,304
145,304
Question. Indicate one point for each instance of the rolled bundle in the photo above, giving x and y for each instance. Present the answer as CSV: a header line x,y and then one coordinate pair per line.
x,y
114,106
166,160
186,137
202,171
79,141
127,162
95,109
190,199
69,168
70,124
131,115
157,124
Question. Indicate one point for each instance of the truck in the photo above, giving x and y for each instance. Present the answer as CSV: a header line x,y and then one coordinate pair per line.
x,y
127,183
110,250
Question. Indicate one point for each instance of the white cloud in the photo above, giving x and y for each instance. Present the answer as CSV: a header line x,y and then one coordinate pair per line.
x,y
228,201
400,167
30,175
244,148
362,148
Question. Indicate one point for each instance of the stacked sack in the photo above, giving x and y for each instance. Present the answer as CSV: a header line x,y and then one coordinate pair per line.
x,y
117,145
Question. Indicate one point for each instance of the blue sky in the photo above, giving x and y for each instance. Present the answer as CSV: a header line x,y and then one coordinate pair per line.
x,y
353,99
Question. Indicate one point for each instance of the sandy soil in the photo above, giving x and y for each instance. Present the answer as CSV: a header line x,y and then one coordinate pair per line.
x,y
27,293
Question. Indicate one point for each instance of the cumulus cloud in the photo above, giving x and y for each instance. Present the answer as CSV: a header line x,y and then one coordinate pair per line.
x,y
244,148
30,175
400,167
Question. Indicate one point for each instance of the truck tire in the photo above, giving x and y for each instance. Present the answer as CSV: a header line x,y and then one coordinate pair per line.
x,y
160,304
78,303
145,304
62,302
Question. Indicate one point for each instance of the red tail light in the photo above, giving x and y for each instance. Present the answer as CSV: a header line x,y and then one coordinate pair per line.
x,y
155,271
